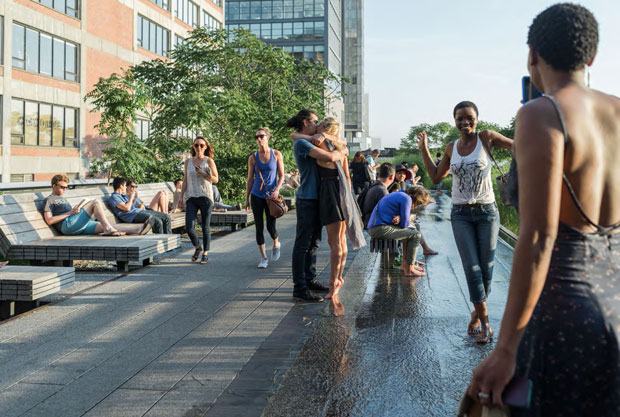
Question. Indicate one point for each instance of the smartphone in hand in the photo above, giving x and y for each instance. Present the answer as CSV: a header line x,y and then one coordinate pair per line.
x,y
528,90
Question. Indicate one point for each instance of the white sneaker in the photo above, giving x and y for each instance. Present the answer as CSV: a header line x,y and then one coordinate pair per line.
x,y
263,263
275,253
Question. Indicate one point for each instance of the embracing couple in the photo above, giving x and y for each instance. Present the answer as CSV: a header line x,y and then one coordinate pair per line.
x,y
323,198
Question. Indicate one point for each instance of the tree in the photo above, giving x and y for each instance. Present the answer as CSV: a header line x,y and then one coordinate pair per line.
x,y
439,135
223,89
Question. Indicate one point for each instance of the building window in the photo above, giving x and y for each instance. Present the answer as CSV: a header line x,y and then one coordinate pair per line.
x,y
68,7
310,52
44,54
187,11
22,177
143,129
153,37
43,124
164,4
218,3
178,40
210,22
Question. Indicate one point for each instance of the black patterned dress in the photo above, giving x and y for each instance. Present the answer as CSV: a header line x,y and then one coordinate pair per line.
x,y
570,347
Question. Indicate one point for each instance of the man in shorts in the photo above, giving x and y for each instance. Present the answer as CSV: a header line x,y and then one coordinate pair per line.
x,y
77,220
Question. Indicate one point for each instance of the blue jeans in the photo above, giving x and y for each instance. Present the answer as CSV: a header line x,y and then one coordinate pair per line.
x,y
307,238
475,231
192,206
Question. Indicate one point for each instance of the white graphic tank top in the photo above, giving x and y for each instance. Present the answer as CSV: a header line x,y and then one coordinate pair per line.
x,y
471,176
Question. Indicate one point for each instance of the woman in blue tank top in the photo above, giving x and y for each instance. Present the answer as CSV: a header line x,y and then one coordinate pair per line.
x,y
265,177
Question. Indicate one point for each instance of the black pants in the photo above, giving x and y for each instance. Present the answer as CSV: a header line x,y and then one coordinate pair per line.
x,y
192,205
160,222
259,206
307,241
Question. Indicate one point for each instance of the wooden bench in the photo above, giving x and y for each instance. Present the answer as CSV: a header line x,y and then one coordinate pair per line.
x,y
29,283
22,286
234,218
290,202
388,248
25,235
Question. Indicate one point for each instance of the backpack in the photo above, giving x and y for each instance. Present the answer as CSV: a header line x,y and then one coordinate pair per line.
x,y
362,197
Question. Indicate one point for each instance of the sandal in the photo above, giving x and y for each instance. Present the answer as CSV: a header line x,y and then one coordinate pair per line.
x,y
196,254
486,336
473,328
204,259
112,233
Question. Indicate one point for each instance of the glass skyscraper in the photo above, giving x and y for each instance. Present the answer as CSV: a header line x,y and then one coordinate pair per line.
x,y
309,29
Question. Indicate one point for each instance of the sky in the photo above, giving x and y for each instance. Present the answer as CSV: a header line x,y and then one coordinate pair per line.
x,y
423,56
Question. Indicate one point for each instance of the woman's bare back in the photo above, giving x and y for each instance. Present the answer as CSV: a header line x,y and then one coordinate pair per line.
x,y
592,157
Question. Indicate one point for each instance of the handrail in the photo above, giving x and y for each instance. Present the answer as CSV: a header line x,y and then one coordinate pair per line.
x,y
22,187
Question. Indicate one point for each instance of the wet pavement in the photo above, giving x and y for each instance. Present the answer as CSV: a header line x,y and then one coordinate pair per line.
x,y
396,346
226,339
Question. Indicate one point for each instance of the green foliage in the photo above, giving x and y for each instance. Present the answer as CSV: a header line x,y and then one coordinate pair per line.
x,y
439,135
224,90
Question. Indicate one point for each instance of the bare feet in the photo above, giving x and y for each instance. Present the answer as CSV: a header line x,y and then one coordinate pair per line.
x,y
112,232
335,288
486,334
414,271
473,327
428,251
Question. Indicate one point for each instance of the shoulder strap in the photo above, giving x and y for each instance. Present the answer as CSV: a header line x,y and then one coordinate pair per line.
x,y
601,230
486,148
262,181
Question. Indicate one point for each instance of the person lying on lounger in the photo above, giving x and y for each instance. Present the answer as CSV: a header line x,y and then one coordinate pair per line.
x,y
77,220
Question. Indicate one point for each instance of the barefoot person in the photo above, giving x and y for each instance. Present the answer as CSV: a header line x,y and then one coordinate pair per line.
x,y
475,219
391,219
197,194
308,232
265,177
338,211
77,220
561,326
159,202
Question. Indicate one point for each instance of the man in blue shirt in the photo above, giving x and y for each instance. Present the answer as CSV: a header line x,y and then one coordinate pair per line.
x,y
122,203
308,234
391,219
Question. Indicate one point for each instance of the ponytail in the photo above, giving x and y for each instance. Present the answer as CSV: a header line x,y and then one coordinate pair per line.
x,y
297,122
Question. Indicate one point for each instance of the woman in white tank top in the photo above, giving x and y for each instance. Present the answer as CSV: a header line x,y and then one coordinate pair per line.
x,y
475,220
197,193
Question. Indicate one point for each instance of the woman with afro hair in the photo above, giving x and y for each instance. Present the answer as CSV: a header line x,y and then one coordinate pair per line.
x,y
561,326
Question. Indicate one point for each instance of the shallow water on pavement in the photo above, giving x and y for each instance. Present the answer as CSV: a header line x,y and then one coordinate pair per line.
x,y
407,351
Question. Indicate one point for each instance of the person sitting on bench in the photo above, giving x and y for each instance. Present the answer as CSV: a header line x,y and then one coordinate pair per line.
x,y
77,220
158,203
391,219
177,204
122,204
218,204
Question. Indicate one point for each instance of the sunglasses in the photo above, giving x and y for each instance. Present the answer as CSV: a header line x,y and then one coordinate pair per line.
x,y
62,187
132,186
260,136
199,145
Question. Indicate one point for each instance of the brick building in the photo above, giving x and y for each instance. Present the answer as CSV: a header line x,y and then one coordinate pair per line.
x,y
52,52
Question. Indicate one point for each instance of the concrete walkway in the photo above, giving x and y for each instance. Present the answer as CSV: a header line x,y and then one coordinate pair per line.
x,y
225,339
